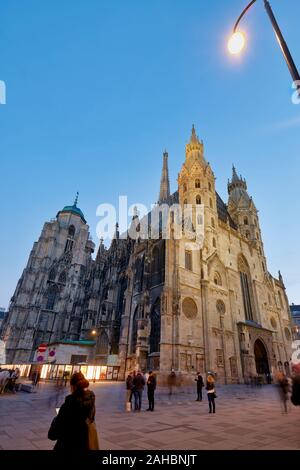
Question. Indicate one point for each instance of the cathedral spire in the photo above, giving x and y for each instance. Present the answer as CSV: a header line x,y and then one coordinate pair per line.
x,y
195,148
194,137
117,233
236,182
76,200
164,192
235,177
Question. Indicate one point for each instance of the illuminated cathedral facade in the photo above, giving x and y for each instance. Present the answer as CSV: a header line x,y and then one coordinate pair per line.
x,y
155,303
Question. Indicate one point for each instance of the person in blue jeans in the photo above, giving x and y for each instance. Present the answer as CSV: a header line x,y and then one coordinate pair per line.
x,y
211,393
138,387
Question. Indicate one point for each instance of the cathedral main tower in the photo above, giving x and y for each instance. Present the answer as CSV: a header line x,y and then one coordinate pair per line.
x,y
46,304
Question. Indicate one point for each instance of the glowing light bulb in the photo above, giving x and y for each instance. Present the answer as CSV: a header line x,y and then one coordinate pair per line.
x,y
236,43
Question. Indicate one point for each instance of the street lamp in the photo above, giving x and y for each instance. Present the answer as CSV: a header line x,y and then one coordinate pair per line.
x,y
237,41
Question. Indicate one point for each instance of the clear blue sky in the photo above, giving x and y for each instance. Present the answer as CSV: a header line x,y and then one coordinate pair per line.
x,y
97,89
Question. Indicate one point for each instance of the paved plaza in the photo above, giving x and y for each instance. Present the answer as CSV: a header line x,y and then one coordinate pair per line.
x,y
246,418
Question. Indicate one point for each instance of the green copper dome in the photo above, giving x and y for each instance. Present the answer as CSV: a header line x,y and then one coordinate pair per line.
x,y
73,210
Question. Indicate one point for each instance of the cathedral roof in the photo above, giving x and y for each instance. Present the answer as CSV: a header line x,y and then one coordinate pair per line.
x,y
223,213
73,210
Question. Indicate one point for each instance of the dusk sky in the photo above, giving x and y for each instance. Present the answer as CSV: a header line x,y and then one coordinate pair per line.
x,y
98,89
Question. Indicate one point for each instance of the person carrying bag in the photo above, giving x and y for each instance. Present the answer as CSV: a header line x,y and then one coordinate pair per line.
x,y
74,427
211,393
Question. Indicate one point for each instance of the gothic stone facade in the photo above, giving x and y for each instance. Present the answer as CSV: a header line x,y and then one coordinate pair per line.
x,y
153,302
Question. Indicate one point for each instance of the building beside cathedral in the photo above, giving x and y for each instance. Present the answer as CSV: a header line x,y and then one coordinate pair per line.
x,y
155,303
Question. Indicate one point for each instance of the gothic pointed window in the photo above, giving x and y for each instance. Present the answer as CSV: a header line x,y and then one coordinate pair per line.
x,y
213,223
157,265
246,221
184,187
199,219
209,186
217,279
70,239
246,286
121,298
139,271
197,184
62,277
155,320
280,299
71,231
198,200
210,203
51,297
102,344
188,260
134,331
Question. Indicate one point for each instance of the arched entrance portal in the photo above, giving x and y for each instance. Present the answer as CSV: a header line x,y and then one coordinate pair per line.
x,y
261,358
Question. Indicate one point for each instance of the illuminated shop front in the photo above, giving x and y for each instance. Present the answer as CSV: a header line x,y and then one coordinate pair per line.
x,y
60,359
57,371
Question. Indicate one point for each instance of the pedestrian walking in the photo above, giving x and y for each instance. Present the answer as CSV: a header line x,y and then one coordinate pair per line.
x,y
211,393
74,427
151,385
284,389
66,376
171,382
200,385
35,378
138,384
129,392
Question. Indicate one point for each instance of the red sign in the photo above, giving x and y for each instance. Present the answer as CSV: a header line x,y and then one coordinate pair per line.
x,y
42,348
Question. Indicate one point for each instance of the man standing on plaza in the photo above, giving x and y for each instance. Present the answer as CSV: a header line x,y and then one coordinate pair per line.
x,y
200,385
151,384
139,384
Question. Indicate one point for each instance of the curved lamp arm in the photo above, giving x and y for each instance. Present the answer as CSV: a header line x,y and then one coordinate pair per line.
x,y
284,48
243,14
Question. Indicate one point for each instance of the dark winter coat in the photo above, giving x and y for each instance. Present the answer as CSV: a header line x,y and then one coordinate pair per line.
x,y
139,382
69,427
129,383
200,383
151,383
295,398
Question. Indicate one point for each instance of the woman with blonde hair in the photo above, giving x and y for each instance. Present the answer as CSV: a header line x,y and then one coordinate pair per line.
x,y
211,393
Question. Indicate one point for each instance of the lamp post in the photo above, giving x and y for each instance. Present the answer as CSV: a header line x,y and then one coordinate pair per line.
x,y
237,41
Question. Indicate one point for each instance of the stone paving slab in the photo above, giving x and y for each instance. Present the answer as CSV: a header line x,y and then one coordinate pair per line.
x,y
245,419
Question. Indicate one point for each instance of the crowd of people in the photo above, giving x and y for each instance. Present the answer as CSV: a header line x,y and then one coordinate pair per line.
x,y
9,380
136,382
